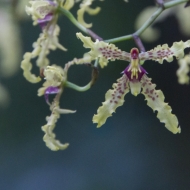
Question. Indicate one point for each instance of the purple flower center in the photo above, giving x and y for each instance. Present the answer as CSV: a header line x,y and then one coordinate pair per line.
x,y
129,73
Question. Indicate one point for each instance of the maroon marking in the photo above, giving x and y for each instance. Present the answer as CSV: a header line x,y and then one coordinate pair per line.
x,y
143,84
151,91
134,53
115,102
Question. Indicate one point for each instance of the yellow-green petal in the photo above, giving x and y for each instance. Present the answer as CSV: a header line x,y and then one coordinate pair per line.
x,y
104,51
155,100
183,70
113,99
27,67
161,53
50,137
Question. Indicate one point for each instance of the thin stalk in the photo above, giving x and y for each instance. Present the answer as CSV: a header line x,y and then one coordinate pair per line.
x,y
148,22
78,88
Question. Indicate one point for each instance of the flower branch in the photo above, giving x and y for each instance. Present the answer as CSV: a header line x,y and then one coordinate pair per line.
x,y
86,87
148,22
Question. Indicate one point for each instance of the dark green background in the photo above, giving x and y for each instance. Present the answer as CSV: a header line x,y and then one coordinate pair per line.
x,y
133,150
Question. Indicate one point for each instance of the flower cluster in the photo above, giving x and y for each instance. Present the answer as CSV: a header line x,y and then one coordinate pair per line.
x,y
134,78
45,13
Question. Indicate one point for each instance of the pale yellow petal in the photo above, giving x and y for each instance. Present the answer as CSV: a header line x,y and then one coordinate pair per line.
x,y
80,18
50,137
41,91
64,111
90,11
27,66
54,75
178,48
161,53
135,87
155,100
113,99
183,70
104,51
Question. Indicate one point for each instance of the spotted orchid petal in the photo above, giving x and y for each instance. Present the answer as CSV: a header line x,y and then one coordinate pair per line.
x,y
104,51
113,99
161,53
155,100
183,70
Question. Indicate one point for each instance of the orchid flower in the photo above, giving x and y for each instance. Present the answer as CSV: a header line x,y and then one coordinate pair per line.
x,y
135,78
55,77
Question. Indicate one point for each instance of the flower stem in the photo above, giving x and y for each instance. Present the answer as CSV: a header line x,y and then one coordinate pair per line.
x,y
70,16
78,88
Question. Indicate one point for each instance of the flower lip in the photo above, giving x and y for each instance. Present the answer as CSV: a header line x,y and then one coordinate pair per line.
x,y
43,22
50,90
140,73
134,53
